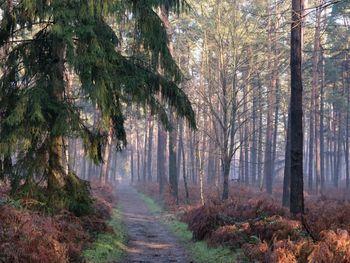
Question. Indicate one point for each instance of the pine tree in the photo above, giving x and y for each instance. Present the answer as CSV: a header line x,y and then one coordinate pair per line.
x,y
42,40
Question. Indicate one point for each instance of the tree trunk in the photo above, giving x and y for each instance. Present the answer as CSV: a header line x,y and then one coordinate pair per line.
x,y
150,149
322,146
311,142
144,159
106,156
260,139
275,131
253,155
132,165
296,111
173,180
226,173
268,165
347,90
138,156
287,167
55,165
161,147
182,150
316,97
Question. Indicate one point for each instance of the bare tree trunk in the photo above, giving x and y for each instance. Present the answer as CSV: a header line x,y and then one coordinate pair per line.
x,y
161,147
211,163
253,155
268,166
150,149
241,160
260,139
182,150
347,90
200,169
145,146
246,133
275,131
337,172
132,165
311,141
193,158
322,147
287,167
173,180
316,97
296,111
106,156
138,156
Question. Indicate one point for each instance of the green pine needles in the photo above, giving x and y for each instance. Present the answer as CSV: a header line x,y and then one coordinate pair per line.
x,y
40,41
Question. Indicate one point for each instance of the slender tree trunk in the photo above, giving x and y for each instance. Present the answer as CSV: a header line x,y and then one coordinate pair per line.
x,y
173,180
296,111
316,97
138,156
246,132
161,148
144,159
211,163
287,167
132,165
322,146
200,169
347,90
338,153
241,158
193,158
182,150
106,156
253,155
275,131
226,172
311,142
268,165
260,139
150,149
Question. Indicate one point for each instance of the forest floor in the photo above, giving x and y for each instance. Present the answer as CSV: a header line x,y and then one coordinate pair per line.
x,y
149,239
256,228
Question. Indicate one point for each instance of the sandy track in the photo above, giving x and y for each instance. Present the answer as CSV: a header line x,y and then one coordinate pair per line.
x,y
149,240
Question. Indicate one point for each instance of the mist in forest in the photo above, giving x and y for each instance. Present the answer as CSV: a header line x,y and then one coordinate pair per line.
x,y
175,131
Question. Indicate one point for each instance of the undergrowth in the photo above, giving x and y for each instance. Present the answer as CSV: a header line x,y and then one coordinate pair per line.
x,y
28,235
109,246
256,224
199,250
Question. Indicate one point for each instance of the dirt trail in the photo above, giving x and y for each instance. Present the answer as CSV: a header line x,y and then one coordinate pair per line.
x,y
149,240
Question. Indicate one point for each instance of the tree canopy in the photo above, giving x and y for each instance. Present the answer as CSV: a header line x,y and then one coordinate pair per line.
x,y
41,41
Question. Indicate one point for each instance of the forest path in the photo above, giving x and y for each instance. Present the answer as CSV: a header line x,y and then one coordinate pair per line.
x,y
149,240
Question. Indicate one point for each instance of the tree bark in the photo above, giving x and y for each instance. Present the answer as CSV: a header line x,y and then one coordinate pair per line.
x,y
150,149
55,165
106,156
316,97
173,180
161,147
296,111
268,165
182,150
287,167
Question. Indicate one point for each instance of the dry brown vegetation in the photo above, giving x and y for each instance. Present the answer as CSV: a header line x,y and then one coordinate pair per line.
x,y
31,236
265,231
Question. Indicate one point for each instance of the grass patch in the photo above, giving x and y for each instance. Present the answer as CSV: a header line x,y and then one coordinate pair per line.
x,y
151,204
199,250
108,247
